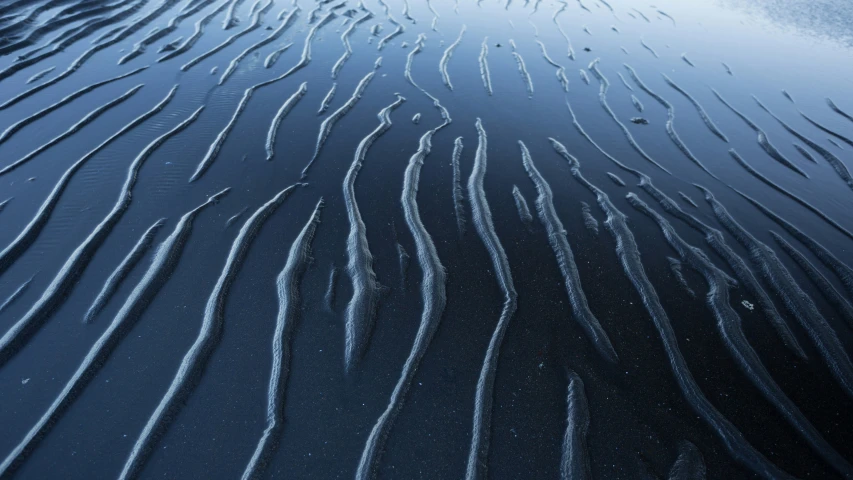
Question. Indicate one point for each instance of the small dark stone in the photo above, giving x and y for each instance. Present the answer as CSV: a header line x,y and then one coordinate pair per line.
x,y
449,374
640,121
498,45
587,49
269,27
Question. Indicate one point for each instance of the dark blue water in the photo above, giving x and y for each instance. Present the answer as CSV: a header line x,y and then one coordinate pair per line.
x,y
639,416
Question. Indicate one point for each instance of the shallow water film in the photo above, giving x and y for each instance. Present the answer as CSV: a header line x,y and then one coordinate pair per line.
x,y
426,239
